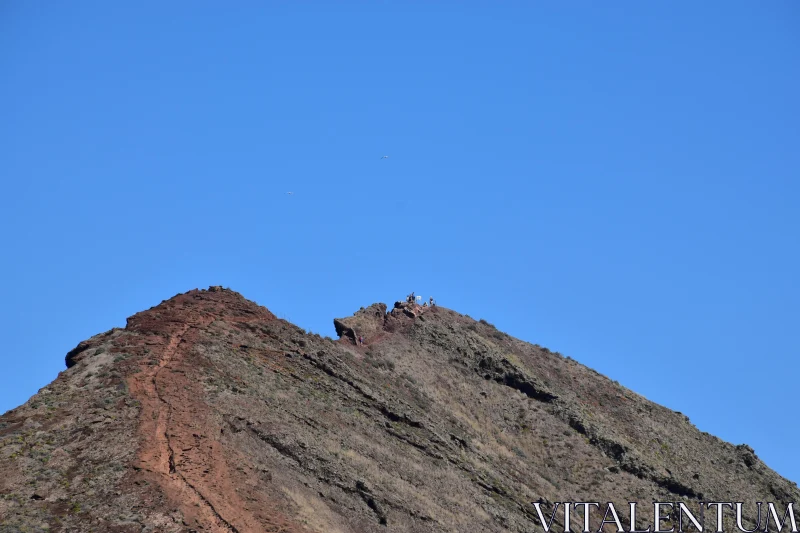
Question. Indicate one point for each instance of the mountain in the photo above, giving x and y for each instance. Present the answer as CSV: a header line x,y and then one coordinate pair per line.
x,y
208,413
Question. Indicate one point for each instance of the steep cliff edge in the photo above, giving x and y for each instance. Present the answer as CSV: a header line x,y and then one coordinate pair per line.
x,y
208,413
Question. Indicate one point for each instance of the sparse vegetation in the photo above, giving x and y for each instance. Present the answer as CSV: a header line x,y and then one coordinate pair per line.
x,y
381,363
460,428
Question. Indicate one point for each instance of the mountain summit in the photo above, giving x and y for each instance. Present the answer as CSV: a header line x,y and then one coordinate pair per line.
x,y
208,413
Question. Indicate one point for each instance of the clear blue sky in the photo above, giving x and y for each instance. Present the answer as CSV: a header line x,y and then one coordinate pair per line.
x,y
618,182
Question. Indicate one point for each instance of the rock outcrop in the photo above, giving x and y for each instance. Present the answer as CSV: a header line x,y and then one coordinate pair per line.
x,y
208,413
366,321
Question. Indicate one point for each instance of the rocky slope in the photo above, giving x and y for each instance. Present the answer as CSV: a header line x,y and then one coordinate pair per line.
x,y
207,413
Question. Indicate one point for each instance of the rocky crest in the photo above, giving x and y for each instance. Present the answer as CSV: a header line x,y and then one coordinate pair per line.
x,y
208,413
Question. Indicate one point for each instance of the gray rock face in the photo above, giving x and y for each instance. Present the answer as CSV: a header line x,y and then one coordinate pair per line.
x,y
208,413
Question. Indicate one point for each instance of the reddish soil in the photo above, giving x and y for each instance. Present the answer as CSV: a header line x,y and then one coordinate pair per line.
x,y
179,447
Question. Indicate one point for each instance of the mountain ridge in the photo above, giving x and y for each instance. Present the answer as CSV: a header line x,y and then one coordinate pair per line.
x,y
207,412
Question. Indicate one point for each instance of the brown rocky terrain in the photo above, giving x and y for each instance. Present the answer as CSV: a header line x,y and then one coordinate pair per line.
x,y
208,413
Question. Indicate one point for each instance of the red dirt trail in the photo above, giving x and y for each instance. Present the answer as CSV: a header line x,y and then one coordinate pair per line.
x,y
179,448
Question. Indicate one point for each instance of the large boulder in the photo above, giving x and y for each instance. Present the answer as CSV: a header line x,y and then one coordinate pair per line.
x,y
367,321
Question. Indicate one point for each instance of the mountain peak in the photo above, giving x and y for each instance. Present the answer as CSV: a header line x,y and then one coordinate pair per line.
x,y
194,307
190,306
206,412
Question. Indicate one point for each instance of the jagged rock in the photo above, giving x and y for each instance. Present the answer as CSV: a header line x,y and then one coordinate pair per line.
x,y
366,321
71,358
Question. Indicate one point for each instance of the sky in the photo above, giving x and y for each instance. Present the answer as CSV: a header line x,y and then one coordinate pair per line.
x,y
619,182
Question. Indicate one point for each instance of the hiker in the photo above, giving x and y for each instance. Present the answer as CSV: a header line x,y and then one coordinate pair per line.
x,y
432,302
360,340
